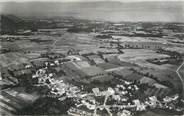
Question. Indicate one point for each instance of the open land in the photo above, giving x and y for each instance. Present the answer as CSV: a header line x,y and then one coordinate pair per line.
x,y
91,69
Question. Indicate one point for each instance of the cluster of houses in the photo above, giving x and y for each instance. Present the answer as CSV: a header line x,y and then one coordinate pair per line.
x,y
84,68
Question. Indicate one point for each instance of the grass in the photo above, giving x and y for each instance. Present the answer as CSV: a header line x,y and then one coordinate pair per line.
x,y
12,58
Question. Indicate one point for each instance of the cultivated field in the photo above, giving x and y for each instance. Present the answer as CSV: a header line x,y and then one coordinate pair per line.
x,y
139,56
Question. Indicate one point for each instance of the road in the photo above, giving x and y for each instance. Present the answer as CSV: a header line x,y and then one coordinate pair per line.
x,y
54,44
181,78
104,106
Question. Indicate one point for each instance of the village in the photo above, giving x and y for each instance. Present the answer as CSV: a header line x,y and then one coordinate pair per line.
x,y
91,68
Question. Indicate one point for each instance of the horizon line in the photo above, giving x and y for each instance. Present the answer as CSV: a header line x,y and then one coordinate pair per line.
x,y
87,1
122,21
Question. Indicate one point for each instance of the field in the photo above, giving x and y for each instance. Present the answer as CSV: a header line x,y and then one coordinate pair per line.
x,y
166,72
139,56
12,58
181,71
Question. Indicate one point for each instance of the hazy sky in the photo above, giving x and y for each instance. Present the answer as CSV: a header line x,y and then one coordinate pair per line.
x,y
84,0
128,10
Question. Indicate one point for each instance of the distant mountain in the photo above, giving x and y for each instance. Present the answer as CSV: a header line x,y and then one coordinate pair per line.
x,y
111,11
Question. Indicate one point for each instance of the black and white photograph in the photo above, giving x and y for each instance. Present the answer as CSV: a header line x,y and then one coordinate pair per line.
x,y
92,57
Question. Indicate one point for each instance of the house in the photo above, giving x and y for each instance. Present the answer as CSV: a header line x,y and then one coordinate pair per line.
x,y
96,91
83,111
139,105
124,113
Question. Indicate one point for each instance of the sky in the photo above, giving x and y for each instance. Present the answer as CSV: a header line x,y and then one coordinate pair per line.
x,y
82,0
128,10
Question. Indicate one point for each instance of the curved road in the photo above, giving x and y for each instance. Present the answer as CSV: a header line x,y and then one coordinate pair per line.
x,y
181,77
54,44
